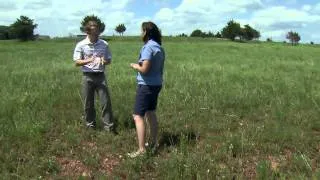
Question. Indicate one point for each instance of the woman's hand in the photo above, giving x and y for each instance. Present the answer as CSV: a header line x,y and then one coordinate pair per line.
x,y
142,67
135,66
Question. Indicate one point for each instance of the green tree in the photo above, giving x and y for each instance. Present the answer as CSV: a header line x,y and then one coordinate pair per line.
x,y
4,32
121,28
218,35
256,34
197,33
182,35
231,30
250,33
210,34
269,39
23,28
293,37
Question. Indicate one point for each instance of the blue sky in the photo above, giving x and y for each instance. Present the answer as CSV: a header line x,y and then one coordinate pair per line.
x,y
273,18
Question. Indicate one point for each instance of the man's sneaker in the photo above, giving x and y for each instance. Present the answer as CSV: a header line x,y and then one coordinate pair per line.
x,y
110,130
91,125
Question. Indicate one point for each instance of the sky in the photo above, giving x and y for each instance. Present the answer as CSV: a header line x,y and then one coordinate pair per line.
x,y
273,18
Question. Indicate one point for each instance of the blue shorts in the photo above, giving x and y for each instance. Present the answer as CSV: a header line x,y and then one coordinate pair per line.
x,y
146,99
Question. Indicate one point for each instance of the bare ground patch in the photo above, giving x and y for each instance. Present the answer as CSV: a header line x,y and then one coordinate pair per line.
x,y
73,168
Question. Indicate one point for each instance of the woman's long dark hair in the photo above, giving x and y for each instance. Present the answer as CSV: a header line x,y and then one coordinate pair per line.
x,y
151,32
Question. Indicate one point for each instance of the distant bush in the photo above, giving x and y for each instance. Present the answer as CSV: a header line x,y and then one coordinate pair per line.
x,y
294,37
233,30
269,40
218,35
121,28
197,33
182,35
4,32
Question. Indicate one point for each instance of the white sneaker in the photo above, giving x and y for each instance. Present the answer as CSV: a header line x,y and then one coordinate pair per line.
x,y
136,154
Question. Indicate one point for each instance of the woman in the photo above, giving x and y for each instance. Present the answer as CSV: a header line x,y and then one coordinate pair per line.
x,y
149,79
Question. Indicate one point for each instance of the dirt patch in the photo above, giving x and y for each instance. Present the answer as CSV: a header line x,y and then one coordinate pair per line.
x,y
92,146
249,168
316,132
274,162
108,164
73,168
314,165
287,154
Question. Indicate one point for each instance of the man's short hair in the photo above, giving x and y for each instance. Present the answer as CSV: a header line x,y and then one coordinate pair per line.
x,y
87,19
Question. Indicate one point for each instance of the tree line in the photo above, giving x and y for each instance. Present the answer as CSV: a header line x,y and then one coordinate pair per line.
x,y
233,31
23,29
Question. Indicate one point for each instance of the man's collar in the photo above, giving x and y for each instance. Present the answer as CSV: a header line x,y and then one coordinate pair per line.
x,y
87,41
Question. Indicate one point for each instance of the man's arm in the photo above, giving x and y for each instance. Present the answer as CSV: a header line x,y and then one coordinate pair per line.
x,y
105,61
78,57
82,62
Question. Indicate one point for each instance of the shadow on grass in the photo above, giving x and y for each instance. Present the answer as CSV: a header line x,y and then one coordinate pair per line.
x,y
169,139
100,125
128,123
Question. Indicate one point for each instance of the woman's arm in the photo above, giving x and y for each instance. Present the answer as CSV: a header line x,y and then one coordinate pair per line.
x,y
143,68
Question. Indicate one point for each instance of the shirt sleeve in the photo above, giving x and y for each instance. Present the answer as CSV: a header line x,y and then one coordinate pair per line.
x,y
77,54
107,53
146,54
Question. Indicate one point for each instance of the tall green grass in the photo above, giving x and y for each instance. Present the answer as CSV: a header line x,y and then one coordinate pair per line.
x,y
227,110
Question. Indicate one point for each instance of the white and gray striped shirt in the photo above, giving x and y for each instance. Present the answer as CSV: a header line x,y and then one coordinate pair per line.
x,y
85,49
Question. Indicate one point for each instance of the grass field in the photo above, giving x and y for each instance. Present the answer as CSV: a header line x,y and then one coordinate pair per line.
x,y
227,110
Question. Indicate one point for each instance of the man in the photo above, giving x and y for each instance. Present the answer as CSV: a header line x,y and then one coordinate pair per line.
x,y
93,54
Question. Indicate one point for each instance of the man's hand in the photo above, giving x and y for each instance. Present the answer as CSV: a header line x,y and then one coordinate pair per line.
x,y
103,61
81,62
90,59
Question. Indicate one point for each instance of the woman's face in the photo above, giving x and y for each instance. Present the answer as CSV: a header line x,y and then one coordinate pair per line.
x,y
143,33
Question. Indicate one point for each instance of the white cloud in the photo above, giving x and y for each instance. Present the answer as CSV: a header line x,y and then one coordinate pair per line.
x,y
38,4
208,15
271,21
60,17
7,6
274,21
274,35
306,7
316,8
165,14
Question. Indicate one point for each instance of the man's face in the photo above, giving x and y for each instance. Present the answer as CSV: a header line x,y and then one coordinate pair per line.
x,y
93,28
